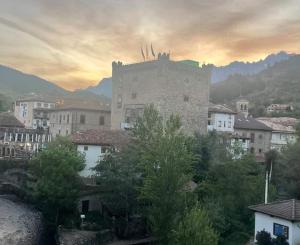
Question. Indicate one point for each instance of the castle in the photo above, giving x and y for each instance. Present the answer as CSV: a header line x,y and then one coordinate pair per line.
x,y
172,87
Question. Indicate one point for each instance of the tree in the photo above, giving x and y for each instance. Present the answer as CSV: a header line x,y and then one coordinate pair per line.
x,y
56,169
165,162
280,240
263,238
118,180
287,171
236,185
195,228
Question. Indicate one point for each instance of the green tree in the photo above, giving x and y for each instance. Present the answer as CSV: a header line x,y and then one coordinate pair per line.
x,y
118,180
287,172
56,169
165,162
195,228
236,185
263,238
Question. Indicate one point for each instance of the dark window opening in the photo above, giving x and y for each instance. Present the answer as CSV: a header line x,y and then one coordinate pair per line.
x,y
101,120
186,98
85,148
85,206
82,119
252,137
280,230
252,150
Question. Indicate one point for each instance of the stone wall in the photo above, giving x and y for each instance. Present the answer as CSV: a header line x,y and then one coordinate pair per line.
x,y
171,86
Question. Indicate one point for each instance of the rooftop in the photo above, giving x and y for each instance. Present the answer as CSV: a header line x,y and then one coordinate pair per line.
x,y
220,108
287,209
280,124
117,138
8,120
242,122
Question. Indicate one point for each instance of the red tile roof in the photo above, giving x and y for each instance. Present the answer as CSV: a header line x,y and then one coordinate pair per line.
x,y
117,138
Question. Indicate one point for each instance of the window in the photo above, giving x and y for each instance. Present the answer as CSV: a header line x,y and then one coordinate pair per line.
x,y
260,150
224,124
45,105
85,148
186,98
67,132
252,150
39,104
68,118
241,107
64,117
252,137
229,124
133,96
260,136
219,124
82,119
280,230
59,132
101,120
85,206
119,101
59,119
244,140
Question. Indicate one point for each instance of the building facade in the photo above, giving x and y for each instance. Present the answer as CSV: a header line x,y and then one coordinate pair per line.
x,y
172,87
283,132
18,142
33,113
95,144
68,120
258,133
220,119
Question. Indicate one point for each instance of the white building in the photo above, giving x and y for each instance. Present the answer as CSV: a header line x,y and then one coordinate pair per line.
x,y
279,218
33,112
220,119
283,130
95,144
277,108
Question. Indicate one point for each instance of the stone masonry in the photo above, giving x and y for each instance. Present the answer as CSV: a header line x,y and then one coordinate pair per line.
x,y
173,87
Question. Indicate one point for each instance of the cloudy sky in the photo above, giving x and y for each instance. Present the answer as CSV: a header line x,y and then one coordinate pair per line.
x,y
73,42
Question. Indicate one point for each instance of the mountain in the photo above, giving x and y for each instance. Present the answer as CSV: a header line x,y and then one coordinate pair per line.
x,y
279,83
104,87
246,68
14,84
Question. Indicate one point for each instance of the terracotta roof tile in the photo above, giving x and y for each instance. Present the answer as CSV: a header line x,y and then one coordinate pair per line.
x,y
117,138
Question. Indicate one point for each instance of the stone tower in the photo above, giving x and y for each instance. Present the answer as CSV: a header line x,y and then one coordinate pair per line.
x,y
242,106
173,88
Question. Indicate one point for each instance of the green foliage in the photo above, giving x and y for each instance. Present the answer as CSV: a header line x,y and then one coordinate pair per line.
x,y
234,185
195,228
280,240
263,238
287,172
57,187
165,162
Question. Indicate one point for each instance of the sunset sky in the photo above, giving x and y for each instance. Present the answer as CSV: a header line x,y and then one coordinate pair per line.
x,y
73,42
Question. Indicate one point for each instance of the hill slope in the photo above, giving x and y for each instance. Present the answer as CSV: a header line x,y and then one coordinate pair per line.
x,y
104,87
277,84
246,68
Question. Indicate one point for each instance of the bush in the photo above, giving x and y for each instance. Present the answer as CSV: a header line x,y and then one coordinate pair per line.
x,y
263,238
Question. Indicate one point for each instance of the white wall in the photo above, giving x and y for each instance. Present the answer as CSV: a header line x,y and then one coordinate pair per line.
x,y
92,156
266,222
222,122
280,139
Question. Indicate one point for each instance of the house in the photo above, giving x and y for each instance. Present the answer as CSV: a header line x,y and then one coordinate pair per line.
x,y
33,112
68,119
172,87
277,108
259,134
279,218
18,142
96,143
283,130
220,118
